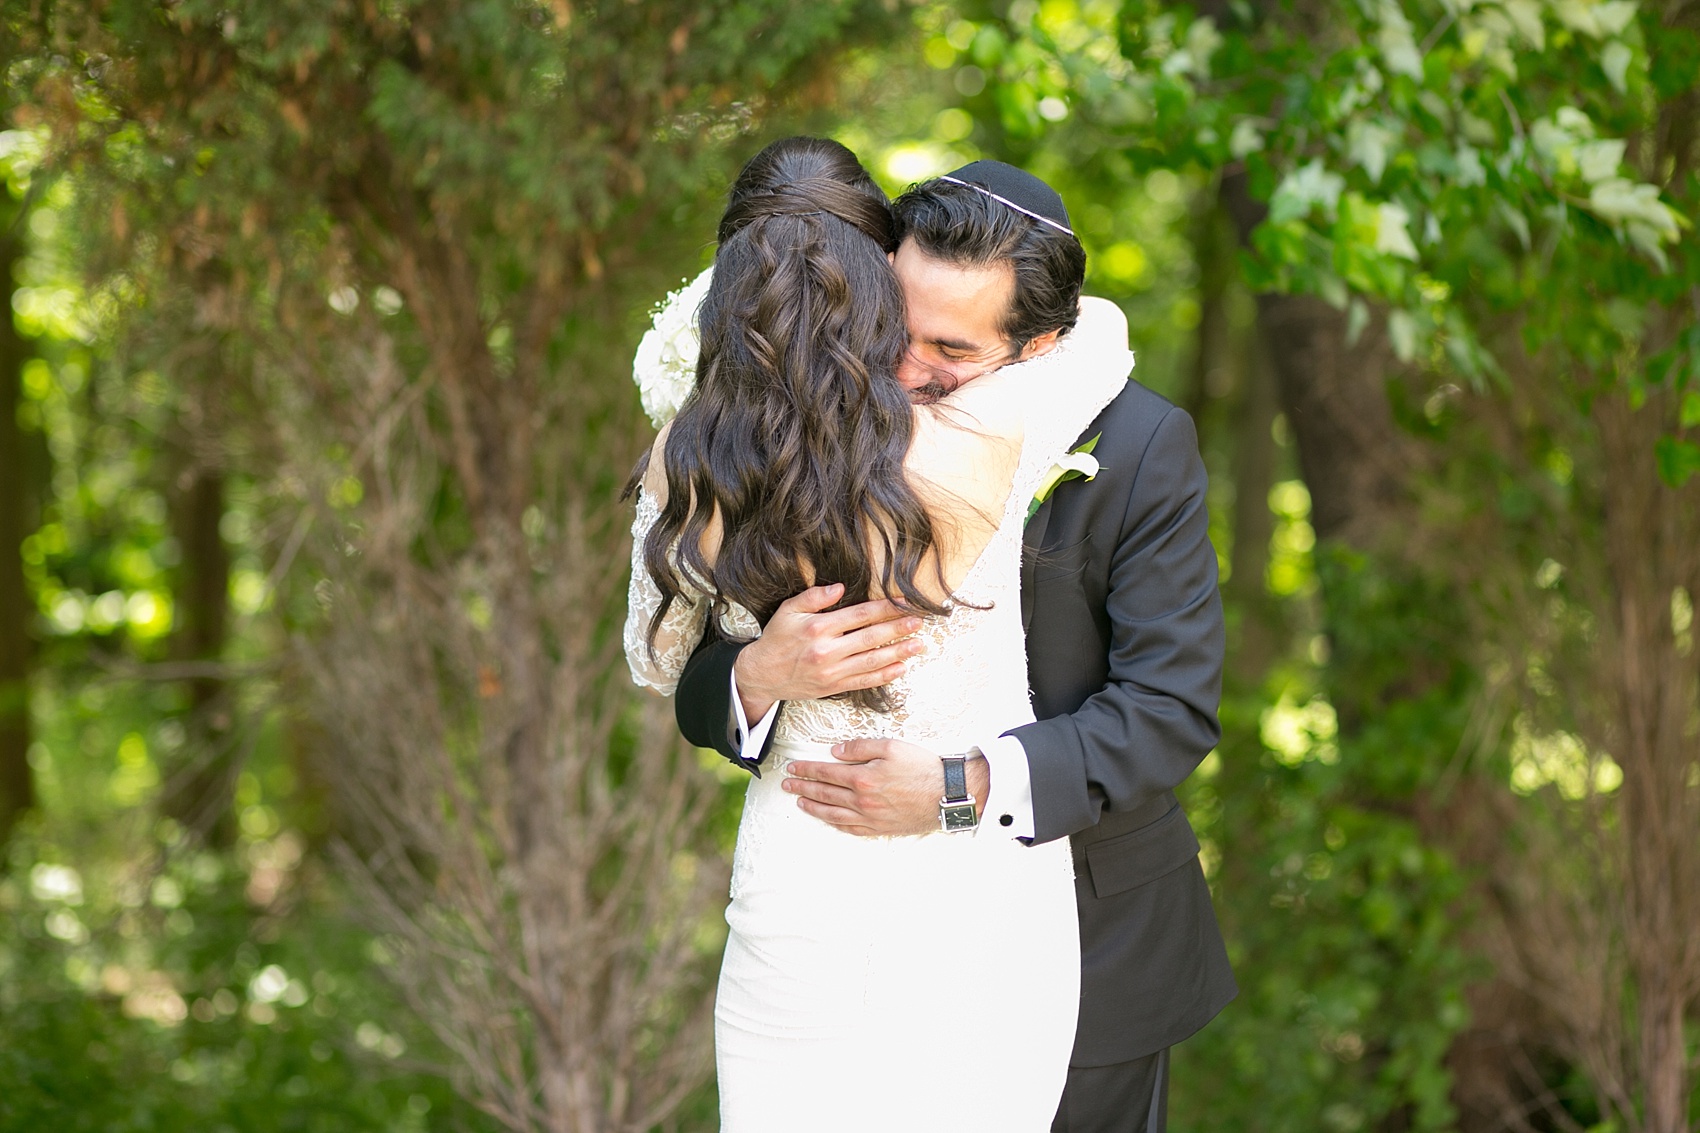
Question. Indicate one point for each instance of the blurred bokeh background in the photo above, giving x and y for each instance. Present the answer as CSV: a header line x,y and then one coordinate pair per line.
x,y
326,802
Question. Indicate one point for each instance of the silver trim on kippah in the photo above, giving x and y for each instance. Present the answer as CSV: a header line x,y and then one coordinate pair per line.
x,y
1007,201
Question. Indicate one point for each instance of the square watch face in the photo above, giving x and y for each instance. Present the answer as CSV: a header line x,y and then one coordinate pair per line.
x,y
960,817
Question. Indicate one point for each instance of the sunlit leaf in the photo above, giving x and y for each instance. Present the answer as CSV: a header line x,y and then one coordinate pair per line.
x,y
1368,143
1402,331
1304,189
1394,39
1391,234
1600,160
1614,60
1526,17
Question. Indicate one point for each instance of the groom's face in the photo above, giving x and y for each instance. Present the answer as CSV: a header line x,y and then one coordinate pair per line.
x,y
955,313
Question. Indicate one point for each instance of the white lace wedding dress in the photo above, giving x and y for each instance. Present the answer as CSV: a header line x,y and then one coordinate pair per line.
x,y
926,982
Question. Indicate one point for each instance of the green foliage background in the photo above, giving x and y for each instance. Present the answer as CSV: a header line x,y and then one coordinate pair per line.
x,y
1494,196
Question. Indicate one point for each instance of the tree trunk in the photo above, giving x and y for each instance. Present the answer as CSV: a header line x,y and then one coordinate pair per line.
x,y
1652,549
1218,362
17,788
1254,466
1353,456
199,792
1232,394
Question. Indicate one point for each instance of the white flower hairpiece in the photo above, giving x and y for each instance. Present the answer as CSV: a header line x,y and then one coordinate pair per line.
x,y
665,368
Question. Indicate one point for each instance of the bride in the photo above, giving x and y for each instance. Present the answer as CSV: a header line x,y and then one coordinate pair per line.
x,y
901,983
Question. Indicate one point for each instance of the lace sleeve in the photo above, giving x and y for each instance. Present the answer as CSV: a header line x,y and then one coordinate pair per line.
x,y
680,631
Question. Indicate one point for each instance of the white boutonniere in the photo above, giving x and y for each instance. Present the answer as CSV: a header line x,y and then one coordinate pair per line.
x,y
1078,463
665,368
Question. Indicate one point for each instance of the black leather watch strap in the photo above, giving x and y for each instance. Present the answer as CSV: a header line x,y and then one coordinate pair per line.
x,y
955,779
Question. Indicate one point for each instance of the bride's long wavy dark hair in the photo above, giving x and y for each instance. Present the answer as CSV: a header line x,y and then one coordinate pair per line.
x,y
797,430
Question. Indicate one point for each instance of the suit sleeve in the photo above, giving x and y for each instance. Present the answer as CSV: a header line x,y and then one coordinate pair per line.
x,y
703,703
1155,719
702,706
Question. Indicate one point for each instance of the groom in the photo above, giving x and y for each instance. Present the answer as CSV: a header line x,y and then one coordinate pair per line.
x,y
1124,644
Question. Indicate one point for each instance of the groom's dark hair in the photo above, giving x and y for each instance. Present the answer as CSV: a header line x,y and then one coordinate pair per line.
x,y
970,227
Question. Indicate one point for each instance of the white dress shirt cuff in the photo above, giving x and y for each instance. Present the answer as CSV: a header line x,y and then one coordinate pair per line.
x,y
749,741
1009,803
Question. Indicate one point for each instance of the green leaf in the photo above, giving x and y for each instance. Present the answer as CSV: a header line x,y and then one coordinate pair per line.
x,y
1368,143
1600,160
1247,138
1678,460
1398,48
1517,221
1614,61
1333,290
1304,188
1391,236
1647,239
1526,17
1614,15
1690,413
1577,16
1402,329
1357,318
1619,199
1470,172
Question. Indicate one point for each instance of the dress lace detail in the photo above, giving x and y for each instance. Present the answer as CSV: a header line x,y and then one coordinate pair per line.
x,y
677,637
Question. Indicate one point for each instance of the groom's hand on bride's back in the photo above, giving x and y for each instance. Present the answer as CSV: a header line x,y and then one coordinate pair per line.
x,y
808,650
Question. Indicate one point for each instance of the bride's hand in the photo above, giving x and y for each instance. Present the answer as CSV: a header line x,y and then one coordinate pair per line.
x,y
808,651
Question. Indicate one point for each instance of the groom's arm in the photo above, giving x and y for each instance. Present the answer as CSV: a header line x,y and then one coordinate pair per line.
x,y
730,692
1155,719
702,705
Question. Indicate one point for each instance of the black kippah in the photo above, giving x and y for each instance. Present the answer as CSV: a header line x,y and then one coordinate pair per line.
x,y
1017,188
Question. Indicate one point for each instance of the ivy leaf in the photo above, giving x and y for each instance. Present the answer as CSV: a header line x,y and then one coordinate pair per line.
x,y
1517,221
1678,460
1600,160
1470,171
1648,240
1368,143
1397,46
1247,138
1391,236
1578,17
1621,200
1690,415
1304,188
1614,60
1526,18
1613,16
1402,329
1357,318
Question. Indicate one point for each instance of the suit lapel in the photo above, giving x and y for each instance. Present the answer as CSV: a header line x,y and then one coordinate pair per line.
x,y
1033,538
1033,541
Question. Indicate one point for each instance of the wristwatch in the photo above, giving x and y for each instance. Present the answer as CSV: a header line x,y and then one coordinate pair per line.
x,y
956,809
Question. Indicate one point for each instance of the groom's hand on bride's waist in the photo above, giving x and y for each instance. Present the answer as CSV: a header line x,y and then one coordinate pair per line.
x,y
880,787
808,650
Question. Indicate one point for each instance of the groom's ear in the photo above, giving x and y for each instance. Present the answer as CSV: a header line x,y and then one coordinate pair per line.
x,y
1043,344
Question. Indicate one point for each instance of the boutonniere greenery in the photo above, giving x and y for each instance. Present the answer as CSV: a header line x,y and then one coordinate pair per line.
x,y
1077,464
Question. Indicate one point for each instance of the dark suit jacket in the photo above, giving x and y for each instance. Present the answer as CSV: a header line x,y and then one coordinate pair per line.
x,y
1124,647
